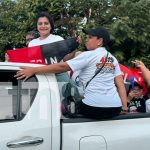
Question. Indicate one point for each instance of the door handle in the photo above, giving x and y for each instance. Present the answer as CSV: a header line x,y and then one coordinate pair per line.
x,y
25,141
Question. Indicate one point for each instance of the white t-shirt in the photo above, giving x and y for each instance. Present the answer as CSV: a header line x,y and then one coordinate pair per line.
x,y
101,91
50,39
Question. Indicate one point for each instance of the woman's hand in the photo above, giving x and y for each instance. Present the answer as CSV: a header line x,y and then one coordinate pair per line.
x,y
124,110
145,71
138,63
131,95
25,73
79,39
6,57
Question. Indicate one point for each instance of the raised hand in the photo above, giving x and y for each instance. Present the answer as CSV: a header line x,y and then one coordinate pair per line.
x,y
138,63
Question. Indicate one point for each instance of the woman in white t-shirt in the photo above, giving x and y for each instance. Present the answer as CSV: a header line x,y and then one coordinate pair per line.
x,y
45,27
105,95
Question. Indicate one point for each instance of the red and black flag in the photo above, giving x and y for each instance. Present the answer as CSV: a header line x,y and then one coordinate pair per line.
x,y
43,54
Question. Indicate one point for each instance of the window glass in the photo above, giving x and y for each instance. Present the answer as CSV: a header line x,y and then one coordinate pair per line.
x,y
16,96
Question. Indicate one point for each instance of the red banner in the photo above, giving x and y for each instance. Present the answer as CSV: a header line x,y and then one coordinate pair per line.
x,y
43,54
130,74
26,55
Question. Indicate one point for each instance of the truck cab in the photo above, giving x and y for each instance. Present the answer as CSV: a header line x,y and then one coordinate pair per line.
x,y
31,119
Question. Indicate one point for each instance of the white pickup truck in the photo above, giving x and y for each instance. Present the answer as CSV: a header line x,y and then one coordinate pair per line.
x,y
30,119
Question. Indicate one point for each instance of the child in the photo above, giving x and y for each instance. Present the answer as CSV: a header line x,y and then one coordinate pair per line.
x,y
136,99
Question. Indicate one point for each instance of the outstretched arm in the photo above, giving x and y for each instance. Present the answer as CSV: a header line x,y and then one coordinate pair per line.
x,y
122,91
145,71
54,68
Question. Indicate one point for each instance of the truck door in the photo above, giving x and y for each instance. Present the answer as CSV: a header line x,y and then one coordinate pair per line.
x,y
25,112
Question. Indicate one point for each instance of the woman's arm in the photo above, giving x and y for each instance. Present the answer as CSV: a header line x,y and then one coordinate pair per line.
x,y
69,56
145,71
122,91
53,68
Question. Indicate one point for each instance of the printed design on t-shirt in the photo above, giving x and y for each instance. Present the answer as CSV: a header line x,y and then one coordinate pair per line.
x,y
109,66
135,103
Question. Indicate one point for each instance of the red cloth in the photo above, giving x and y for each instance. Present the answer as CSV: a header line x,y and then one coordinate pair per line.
x,y
44,54
136,73
26,55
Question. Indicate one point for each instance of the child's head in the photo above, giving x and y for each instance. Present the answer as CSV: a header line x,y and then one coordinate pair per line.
x,y
137,90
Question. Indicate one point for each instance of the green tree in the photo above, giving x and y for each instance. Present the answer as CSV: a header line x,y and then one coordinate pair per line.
x,y
7,25
130,28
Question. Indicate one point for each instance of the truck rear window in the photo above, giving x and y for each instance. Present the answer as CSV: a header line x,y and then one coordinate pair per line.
x,y
16,96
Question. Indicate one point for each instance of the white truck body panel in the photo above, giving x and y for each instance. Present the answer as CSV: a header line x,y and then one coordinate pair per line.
x,y
117,134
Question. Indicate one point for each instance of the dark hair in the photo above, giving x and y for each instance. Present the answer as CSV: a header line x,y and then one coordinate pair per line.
x,y
138,85
135,84
46,14
99,32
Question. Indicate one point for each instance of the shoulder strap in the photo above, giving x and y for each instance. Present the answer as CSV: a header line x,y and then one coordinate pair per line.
x,y
98,71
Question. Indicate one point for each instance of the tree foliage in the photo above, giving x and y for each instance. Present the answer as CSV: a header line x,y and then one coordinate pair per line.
x,y
128,22
7,25
131,28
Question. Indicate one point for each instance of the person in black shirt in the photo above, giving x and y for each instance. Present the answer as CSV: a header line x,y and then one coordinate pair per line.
x,y
136,99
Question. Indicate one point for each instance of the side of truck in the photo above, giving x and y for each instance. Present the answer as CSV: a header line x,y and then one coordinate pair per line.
x,y
31,119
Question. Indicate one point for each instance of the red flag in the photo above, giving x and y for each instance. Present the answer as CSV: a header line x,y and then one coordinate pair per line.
x,y
26,55
133,72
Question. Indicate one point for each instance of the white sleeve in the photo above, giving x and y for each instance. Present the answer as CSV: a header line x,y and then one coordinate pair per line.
x,y
60,38
78,62
117,70
32,43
